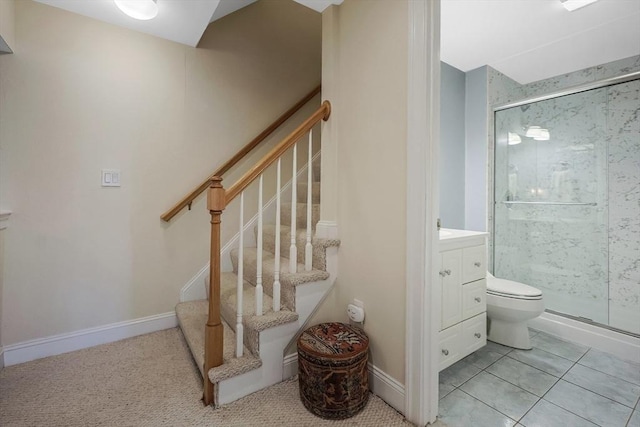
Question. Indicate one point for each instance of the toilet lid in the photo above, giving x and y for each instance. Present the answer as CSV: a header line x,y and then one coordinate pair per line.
x,y
511,289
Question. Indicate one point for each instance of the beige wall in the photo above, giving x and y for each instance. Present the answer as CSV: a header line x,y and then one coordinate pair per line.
x,y
7,29
368,42
81,95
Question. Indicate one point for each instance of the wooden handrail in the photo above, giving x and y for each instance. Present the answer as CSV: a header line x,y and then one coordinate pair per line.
x,y
322,113
189,198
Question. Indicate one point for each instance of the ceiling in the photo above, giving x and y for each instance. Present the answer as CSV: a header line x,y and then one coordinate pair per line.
x,y
530,40
182,21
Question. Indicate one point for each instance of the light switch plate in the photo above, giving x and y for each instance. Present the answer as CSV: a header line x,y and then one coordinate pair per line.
x,y
111,177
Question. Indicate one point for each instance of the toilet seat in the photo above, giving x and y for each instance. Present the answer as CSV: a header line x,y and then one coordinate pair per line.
x,y
510,289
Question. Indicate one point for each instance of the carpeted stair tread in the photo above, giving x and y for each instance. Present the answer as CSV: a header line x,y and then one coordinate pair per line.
x,y
288,281
320,246
298,278
301,193
301,215
269,318
253,324
192,318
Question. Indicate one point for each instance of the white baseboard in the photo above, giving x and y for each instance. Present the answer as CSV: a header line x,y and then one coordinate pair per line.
x,y
381,384
64,343
616,343
386,388
290,368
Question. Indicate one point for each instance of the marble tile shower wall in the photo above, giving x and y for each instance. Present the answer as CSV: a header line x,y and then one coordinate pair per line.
x,y
623,137
570,251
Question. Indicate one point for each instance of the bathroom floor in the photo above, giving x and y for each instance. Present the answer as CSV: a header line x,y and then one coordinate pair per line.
x,y
557,383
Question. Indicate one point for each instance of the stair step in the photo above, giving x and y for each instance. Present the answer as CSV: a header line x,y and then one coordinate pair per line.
x,y
192,318
253,324
301,215
301,192
288,281
319,245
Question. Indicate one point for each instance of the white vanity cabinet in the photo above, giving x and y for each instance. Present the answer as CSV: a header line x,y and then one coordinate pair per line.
x,y
463,286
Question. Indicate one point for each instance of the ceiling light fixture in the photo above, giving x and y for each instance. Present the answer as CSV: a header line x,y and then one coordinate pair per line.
x,y
572,5
514,139
142,10
537,133
544,135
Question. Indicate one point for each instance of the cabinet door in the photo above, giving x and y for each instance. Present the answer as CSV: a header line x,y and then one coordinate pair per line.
x,y
474,263
451,280
450,346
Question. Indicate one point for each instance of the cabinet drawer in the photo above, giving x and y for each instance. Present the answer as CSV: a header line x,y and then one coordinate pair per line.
x,y
474,298
450,345
474,333
474,263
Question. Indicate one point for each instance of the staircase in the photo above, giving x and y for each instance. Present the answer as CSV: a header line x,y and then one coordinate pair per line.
x,y
259,361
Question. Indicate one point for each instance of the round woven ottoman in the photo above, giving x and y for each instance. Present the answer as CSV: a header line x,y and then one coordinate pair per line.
x,y
332,370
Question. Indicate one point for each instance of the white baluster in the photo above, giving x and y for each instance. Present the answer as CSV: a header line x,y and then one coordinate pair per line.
x,y
259,254
276,272
308,249
240,286
293,251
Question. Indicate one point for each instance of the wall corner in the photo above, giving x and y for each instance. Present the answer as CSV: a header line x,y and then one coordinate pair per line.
x,y
7,26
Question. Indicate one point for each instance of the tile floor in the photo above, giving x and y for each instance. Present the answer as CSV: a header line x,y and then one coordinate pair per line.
x,y
555,384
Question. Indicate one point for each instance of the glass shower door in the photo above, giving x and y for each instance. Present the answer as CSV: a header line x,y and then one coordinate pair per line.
x,y
551,211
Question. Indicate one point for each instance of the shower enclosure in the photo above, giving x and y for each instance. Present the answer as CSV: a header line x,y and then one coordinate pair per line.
x,y
567,200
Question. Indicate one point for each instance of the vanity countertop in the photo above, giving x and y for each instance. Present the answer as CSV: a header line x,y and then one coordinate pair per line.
x,y
452,239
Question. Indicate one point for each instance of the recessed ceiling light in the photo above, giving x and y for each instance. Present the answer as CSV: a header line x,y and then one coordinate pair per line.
x,y
572,5
138,9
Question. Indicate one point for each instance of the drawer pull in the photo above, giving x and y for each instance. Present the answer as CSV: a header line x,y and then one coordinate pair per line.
x,y
477,264
477,335
447,272
445,351
442,273
477,299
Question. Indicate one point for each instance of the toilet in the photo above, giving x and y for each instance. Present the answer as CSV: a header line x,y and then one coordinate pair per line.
x,y
509,306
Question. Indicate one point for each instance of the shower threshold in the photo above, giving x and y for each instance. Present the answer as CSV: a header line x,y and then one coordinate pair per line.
x,y
591,322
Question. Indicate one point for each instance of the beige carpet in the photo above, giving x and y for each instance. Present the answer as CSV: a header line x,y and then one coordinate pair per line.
x,y
148,381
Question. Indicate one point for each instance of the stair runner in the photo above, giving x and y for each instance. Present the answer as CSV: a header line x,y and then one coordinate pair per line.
x,y
192,315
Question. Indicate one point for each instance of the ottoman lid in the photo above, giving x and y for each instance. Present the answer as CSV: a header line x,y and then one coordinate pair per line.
x,y
333,340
